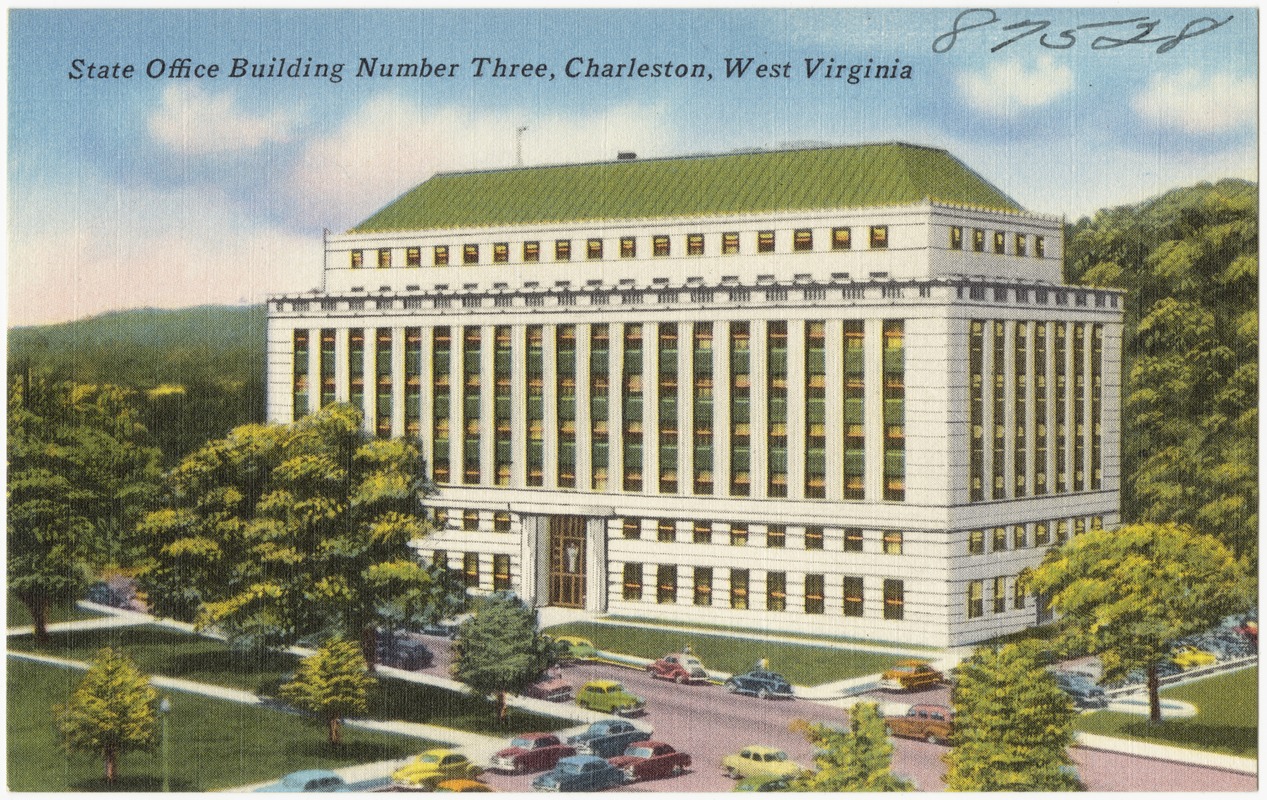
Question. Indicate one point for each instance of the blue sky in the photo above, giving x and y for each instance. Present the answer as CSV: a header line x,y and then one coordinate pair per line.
x,y
172,191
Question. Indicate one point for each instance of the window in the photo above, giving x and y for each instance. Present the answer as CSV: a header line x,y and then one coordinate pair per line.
x,y
894,598
358,259
501,253
695,244
729,244
852,596
440,255
776,591
471,570
632,528
470,254
739,535
1062,531
413,256
1020,244
803,240
628,247
975,602
879,237
532,251
739,588
501,572
501,522
1042,534
813,594
702,532
840,239
594,249
1040,250
976,543
384,258
1020,538
659,245
765,241
956,238
853,540
666,531
1000,595
633,582
893,543
813,538
999,241
1018,592
999,543
563,250
470,520
703,586
978,240
666,583
776,536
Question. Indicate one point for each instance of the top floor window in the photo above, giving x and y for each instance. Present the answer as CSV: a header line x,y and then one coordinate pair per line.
x,y
413,256
1020,244
384,258
840,239
532,251
628,247
956,238
563,250
765,241
879,237
803,240
594,249
978,240
440,255
695,244
1039,247
999,242
358,259
729,244
470,254
501,253
659,245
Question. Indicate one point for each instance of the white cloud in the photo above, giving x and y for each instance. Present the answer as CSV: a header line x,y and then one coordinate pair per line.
x,y
391,144
1009,88
1197,102
194,121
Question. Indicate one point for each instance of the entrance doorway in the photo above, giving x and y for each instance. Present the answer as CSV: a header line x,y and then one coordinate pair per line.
x,y
567,562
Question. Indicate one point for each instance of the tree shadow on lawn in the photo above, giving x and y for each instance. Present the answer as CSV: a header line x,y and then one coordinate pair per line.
x,y
1239,740
352,751
132,783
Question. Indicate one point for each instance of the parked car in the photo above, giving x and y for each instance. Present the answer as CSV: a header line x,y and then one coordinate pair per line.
x,y
1081,689
609,696
549,687
433,766
908,675
932,723
1189,657
679,668
763,783
579,774
530,752
647,760
761,683
607,738
448,628
575,648
463,785
756,759
402,652
308,780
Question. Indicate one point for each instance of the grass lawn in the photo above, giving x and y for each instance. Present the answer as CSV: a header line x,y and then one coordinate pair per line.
x,y
803,665
730,629
1226,720
214,744
17,615
163,651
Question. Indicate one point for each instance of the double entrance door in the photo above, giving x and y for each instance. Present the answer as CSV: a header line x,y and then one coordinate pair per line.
x,y
567,562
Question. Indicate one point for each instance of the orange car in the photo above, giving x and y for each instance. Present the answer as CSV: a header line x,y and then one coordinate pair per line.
x,y
908,675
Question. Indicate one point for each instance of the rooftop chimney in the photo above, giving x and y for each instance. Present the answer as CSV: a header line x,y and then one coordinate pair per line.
x,y
626,156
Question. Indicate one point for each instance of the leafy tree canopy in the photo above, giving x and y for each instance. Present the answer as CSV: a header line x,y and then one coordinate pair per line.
x,y
331,684
499,650
113,710
857,760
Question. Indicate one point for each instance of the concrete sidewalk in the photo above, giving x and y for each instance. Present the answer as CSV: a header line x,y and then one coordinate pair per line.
x,y
1166,753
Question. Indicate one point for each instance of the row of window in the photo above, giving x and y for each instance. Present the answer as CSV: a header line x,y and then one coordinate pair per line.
x,y
998,595
472,577
738,535
1045,533
977,238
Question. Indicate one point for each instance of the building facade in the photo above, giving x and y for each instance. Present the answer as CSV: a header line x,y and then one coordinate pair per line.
x,y
840,391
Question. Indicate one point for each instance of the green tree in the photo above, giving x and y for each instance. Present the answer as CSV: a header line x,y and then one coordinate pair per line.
x,y
857,760
80,477
1013,725
286,531
1128,594
331,684
112,711
499,650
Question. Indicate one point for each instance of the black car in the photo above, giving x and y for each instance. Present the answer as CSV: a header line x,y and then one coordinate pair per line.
x,y
1081,689
402,653
760,683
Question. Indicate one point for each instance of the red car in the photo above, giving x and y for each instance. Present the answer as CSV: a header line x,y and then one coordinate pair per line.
x,y
549,687
679,668
531,752
644,761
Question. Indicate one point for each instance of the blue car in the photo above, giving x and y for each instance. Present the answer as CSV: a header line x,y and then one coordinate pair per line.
x,y
580,774
760,683
308,780
607,738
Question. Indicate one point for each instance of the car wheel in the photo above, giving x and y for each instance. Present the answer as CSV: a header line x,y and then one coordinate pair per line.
x,y
679,679
583,704
732,687
651,670
931,738
732,774
630,775
763,693
677,770
888,730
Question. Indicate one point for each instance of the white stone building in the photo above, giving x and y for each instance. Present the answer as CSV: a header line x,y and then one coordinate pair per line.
x,y
837,390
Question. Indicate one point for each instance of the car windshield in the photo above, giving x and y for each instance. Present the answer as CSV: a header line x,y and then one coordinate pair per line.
x,y
428,758
640,752
570,768
692,662
525,743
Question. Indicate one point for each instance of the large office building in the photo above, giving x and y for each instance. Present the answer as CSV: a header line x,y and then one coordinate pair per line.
x,y
838,391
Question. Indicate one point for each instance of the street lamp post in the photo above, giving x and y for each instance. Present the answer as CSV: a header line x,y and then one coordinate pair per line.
x,y
164,709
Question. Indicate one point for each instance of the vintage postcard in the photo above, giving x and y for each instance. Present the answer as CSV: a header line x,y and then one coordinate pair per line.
x,y
660,399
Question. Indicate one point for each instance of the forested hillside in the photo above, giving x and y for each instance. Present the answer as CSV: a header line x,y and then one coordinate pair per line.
x,y
1188,261
198,372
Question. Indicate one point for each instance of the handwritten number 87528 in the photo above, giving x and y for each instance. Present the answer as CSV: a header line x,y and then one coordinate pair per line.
x,y
975,18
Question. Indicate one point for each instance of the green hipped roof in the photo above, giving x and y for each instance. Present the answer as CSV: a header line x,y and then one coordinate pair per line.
x,y
782,180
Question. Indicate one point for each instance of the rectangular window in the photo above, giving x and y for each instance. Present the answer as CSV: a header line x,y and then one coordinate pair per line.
x,y
470,254
565,405
740,410
840,239
441,397
470,520
739,588
1018,593
666,531
631,408
1019,244
852,596
976,543
894,363
356,367
358,259
471,404
855,439
702,407
815,409
383,369
632,528
739,535
853,540
1042,534
440,558
600,396
667,405
660,246
563,250
813,538
666,583
776,591
501,253
695,244
729,244
1020,537
633,582
803,240
894,598
879,237
1062,531
1000,595
999,242
594,249
893,543
978,240
1040,249
776,536
956,237
703,586
999,542
814,594
471,570
440,255
702,532
413,256
628,247
535,408
384,258
501,572
765,241
532,251
776,404
300,385
501,522
976,604
502,439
